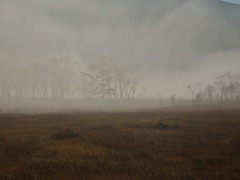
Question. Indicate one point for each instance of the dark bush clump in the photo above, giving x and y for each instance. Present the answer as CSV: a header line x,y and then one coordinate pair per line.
x,y
16,150
65,134
166,126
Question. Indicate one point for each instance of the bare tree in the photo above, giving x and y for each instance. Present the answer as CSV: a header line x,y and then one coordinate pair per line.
x,y
61,76
100,75
228,86
192,90
209,92
173,99
121,79
126,84
6,77
108,81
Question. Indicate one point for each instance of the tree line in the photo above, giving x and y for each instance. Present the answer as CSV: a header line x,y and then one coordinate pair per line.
x,y
57,78
226,88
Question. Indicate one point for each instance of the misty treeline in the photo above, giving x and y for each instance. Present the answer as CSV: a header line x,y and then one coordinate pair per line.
x,y
59,78
226,88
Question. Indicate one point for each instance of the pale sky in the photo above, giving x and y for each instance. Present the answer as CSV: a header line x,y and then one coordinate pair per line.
x,y
168,44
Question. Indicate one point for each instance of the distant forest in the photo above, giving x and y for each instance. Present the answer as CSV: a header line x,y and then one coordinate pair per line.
x,y
226,88
58,79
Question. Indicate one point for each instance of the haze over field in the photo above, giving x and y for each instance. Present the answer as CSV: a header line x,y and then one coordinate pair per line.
x,y
168,44
119,89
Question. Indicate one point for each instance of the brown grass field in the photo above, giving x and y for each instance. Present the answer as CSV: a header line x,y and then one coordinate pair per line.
x,y
166,144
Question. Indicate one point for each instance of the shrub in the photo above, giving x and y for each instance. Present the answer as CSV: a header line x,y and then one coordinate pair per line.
x,y
166,126
65,134
15,150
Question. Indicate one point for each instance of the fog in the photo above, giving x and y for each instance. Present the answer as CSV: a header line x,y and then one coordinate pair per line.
x,y
167,44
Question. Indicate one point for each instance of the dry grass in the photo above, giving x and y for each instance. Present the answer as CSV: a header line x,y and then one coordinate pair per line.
x,y
134,145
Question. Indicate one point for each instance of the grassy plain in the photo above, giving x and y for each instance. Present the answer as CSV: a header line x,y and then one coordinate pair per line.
x,y
165,144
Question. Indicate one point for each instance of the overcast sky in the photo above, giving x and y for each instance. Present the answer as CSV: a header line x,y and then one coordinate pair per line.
x,y
168,44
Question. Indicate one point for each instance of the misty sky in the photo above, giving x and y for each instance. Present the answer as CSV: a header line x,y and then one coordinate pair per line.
x,y
168,44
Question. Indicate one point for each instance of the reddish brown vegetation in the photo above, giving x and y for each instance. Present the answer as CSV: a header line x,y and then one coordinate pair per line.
x,y
136,145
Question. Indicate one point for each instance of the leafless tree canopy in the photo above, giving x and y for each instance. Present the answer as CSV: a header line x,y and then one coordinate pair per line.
x,y
57,79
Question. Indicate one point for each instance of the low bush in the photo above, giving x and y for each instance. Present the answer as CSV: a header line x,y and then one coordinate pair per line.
x,y
65,134
166,126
